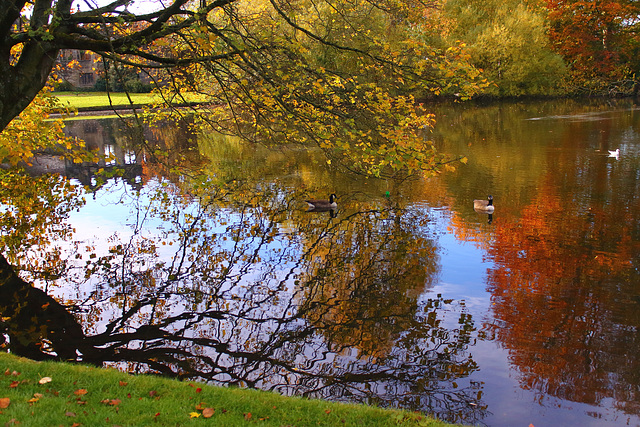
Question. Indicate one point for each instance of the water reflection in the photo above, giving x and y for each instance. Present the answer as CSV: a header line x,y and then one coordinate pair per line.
x,y
231,280
247,288
564,279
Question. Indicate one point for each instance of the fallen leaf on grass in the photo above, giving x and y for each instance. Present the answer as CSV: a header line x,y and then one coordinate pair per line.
x,y
208,412
194,414
111,402
70,414
247,416
123,383
152,393
45,380
80,392
198,390
14,384
5,402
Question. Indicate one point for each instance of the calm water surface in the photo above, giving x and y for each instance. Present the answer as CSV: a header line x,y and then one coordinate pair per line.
x,y
406,296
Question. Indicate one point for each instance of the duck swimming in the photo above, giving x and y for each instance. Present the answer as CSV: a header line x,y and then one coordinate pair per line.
x,y
484,206
323,204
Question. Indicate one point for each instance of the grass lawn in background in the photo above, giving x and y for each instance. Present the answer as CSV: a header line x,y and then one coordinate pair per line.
x,y
54,393
96,100
81,100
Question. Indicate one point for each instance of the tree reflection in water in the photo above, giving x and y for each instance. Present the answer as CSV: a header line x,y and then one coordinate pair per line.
x,y
255,292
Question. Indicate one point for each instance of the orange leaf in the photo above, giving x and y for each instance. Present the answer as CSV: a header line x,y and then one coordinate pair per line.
x,y
247,416
208,412
4,402
152,393
14,384
80,392
198,390
123,383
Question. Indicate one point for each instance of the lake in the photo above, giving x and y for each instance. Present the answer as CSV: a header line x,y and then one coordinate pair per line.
x,y
404,296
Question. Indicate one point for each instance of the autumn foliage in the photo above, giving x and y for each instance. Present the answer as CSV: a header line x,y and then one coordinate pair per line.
x,y
596,38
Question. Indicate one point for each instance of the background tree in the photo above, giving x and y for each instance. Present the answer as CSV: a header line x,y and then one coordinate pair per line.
x,y
598,39
509,42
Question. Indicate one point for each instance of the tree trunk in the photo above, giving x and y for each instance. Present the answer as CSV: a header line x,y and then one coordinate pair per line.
x,y
22,81
30,316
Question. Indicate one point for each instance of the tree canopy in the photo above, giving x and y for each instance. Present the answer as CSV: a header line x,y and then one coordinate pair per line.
x,y
343,75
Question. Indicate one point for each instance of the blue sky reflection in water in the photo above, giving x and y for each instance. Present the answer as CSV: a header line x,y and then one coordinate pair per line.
x,y
413,300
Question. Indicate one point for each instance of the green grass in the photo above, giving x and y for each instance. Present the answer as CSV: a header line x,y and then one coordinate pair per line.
x,y
87,396
101,99
82,100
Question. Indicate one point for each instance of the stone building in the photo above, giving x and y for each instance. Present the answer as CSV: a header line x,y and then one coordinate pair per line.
x,y
80,68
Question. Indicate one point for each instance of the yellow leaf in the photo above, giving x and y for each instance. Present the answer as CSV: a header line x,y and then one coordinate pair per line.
x,y
194,415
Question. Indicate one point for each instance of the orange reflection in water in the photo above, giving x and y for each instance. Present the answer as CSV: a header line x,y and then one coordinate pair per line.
x,y
565,302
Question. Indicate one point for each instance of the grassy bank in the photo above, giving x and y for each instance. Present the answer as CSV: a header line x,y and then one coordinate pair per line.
x,y
103,100
53,393
83,100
